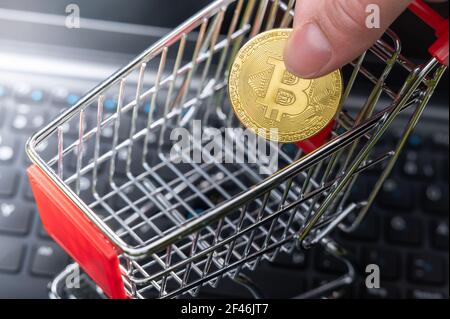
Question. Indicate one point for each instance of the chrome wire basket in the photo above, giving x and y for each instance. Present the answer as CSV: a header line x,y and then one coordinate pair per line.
x,y
145,218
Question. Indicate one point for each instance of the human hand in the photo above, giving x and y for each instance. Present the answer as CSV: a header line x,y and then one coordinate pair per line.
x,y
331,33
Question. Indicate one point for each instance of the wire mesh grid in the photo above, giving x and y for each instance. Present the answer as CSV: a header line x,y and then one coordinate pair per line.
x,y
184,217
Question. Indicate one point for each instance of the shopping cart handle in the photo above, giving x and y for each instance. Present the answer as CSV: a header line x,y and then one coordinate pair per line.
x,y
439,49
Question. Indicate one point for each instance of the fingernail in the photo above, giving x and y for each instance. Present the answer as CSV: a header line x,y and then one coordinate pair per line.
x,y
308,51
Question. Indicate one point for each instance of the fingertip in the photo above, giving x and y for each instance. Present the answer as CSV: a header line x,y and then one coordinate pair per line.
x,y
308,51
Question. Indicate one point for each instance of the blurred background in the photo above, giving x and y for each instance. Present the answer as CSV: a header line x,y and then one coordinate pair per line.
x,y
46,67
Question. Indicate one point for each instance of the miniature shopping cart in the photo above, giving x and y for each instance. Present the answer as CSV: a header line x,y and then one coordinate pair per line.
x,y
144,217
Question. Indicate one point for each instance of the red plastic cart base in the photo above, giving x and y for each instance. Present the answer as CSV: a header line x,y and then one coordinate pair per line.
x,y
76,234
316,141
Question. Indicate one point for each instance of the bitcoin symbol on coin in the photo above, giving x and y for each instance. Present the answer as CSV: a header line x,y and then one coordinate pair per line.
x,y
266,96
285,92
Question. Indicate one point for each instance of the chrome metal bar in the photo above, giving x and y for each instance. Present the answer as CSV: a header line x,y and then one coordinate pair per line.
x,y
80,152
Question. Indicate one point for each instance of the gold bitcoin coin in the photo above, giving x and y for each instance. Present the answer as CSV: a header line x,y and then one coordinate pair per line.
x,y
265,96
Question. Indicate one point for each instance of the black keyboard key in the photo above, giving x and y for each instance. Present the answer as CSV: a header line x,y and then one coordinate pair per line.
x,y
28,118
388,260
404,230
21,91
37,96
11,254
48,260
439,234
440,142
58,96
420,293
72,98
296,260
415,141
369,230
25,93
444,169
397,194
426,269
8,182
284,278
64,99
418,165
435,198
328,264
8,148
384,292
14,218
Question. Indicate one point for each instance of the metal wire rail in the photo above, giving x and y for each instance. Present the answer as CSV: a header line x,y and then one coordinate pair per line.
x,y
175,223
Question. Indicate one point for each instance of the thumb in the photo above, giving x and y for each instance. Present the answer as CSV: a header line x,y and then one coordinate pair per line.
x,y
330,33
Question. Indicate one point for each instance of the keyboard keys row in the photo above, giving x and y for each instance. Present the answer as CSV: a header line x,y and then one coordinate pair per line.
x,y
28,118
418,165
393,292
426,269
62,97
397,194
420,293
46,259
404,230
25,93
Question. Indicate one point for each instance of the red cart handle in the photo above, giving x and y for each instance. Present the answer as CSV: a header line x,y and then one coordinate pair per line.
x,y
439,49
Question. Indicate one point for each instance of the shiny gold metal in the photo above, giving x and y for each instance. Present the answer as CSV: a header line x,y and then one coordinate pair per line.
x,y
275,103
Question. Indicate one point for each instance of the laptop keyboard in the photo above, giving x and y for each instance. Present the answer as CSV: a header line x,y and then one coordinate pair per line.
x,y
406,232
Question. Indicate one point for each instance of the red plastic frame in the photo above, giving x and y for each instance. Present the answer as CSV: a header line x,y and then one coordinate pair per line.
x,y
439,49
76,234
